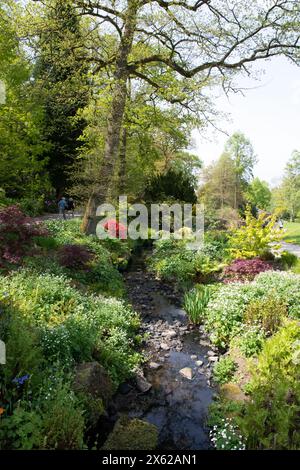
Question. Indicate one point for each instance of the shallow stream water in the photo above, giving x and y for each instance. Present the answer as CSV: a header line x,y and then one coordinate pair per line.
x,y
177,405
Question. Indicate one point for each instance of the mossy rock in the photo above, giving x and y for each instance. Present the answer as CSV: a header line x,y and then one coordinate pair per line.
x,y
232,392
91,379
132,434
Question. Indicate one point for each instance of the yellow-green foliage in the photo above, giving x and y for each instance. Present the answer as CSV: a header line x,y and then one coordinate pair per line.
x,y
271,417
132,434
256,237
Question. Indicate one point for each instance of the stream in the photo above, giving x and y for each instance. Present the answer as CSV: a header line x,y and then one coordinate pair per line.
x,y
178,368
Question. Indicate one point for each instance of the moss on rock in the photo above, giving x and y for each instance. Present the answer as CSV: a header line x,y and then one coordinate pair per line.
x,y
132,434
233,392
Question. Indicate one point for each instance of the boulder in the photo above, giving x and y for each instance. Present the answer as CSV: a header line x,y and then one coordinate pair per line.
x,y
231,391
187,373
132,434
93,380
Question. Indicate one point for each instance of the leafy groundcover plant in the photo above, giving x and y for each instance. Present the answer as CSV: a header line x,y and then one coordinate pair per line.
x,y
225,310
49,327
259,400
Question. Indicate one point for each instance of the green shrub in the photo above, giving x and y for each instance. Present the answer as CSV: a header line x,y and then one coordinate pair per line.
x,y
68,233
267,313
54,422
271,417
74,326
195,303
174,261
224,370
296,268
251,341
23,352
21,431
63,421
32,206
227,436
48,243
101,276
288,260
225,310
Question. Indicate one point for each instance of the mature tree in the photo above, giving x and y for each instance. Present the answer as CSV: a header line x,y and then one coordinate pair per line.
x,y
60,83
259,194
205,39
22,163
219,179
240,149
157,139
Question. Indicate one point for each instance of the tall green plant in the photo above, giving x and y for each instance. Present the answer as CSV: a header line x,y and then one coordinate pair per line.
x,y
195,303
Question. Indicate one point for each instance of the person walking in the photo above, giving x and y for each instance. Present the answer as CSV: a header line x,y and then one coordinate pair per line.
x,y
280,224
62,206
71,206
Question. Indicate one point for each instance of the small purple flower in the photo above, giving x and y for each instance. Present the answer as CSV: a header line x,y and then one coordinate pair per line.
x,y
21,380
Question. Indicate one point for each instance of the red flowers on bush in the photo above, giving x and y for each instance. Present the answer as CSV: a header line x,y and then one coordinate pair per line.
x,y
115,229
242,270
75,256
17,233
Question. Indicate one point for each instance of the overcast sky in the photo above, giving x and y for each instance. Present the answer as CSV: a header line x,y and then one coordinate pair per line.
x,y
268,114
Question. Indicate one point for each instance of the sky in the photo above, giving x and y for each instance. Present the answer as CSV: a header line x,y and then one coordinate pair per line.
x,y
268,113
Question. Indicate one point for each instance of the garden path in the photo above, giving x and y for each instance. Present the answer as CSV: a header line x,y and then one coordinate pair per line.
x,y
291,248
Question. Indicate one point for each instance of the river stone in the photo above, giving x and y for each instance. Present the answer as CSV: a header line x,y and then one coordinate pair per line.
x,y
211,353
199,363
194,357
187,373
141,383
169,333
204,343
213,358
92,379
154,365
164,346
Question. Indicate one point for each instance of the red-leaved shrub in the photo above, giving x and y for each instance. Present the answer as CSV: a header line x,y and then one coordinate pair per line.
x,y
75,256
242,270
17,233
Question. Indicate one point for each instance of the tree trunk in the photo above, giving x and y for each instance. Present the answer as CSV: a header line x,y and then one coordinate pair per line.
x,y
115,119
122,168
